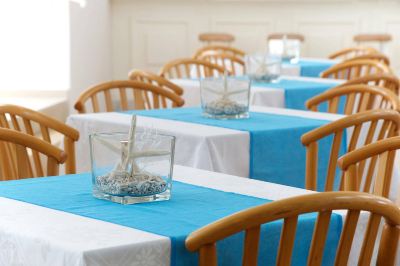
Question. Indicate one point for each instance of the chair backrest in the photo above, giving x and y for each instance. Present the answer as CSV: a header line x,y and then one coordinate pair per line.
x,y
233,64
373,164
191,68
250,221
219,49
288,36
352,52
375,56
384,80
367,127
374,37
131,95
355,69
15,159
40,125
216,37
154,79
354,99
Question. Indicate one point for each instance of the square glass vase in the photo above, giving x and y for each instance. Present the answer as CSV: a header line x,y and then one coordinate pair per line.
x,y
225,97
143,176
288,49
263,67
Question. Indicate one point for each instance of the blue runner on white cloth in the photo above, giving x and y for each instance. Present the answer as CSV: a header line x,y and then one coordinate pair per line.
x,y
297,92
276,152
313,68
190,208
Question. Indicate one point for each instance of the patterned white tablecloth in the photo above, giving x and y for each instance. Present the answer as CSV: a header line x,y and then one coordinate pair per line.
x,y
199,146
36,236
261,96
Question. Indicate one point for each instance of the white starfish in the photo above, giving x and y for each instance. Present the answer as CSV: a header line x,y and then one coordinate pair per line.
x,y
128,153
135,154
225,93
263,65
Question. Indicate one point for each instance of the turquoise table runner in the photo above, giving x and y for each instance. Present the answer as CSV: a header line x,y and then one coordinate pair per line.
x,y
297,92
276,153
312,68
190,208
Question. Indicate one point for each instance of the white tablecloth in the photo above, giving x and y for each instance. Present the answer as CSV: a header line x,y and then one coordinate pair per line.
x,y
199,146
36,236
294,70
262,96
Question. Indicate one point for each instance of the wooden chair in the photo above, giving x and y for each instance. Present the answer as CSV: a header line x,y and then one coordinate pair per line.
x,y
15,160
209,37
372,37
374,125
352,52
288,36
219,49
375,161
250,221
137,100
384,80
375,56
356,98
380,38
233,64
355,69
39,125
191,68
154,79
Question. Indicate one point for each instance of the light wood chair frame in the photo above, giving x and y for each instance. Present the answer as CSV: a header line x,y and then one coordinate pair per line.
x,y
353,164
154,79
216,37
389,127
289,36
352,52
355,69
225,60
21,119
210,69
384,80
359,98
204,239
375,56
219,49
14,157
382,37
137,87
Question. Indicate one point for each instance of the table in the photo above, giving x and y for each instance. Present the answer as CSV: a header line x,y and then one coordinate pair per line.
x,y
34,235
289,92
307,67
216,147
208,147
311,67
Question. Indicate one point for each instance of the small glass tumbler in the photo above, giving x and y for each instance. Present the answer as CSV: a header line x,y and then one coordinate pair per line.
x,y
263,67
288,49
144,174
225,98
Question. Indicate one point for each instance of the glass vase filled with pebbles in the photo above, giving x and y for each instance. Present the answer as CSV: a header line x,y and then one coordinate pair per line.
x,y
288,49
225,98
132,167
263,67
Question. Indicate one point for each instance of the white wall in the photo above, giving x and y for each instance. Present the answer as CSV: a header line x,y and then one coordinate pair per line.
x,y
34,46
90,45
146,34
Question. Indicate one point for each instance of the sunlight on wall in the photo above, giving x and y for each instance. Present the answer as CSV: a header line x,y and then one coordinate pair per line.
x,y
34,45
